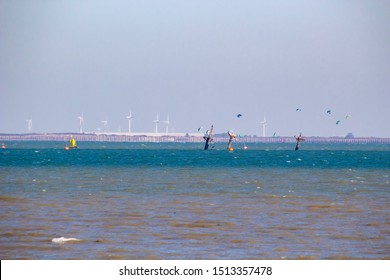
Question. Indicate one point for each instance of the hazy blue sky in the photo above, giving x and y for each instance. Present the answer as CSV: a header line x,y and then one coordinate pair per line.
x,y
201,61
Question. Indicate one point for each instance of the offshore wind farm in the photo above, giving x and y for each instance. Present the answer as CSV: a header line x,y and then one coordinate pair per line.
x,y
158,134
106,128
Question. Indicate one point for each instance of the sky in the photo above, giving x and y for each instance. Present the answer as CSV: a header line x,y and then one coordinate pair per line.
x,y
201,62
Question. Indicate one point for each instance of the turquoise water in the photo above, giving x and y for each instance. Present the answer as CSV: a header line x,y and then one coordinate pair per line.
x,y
176,201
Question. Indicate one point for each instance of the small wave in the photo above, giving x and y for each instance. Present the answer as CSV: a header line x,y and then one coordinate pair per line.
x,y
11,199
62,240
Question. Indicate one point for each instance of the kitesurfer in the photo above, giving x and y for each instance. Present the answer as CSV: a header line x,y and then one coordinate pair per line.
x,y
208,137
298,139
231,138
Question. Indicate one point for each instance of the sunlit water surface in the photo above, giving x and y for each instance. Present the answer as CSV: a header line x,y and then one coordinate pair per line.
x,y
176,201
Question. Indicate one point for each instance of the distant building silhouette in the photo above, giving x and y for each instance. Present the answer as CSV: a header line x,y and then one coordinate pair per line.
x,y
350,136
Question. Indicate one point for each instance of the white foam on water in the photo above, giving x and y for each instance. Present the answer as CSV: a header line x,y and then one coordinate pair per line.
x,y
62,240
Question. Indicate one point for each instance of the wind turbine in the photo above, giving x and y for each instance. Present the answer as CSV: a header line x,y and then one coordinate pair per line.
x,y
81,119
157,122
104,125
129,117
264,123
167,122
29,125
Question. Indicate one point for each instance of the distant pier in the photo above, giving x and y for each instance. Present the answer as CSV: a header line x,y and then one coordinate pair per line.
x,y
179,137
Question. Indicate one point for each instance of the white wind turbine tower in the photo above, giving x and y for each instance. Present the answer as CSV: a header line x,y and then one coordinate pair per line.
x,y
81,119
167,122
104,125
29,125
129,117
157,122
264,123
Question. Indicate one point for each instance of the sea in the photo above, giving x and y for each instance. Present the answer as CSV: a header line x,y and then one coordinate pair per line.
x,y
168,201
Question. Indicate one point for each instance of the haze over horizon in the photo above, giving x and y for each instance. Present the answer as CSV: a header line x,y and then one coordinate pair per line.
x,y
202,62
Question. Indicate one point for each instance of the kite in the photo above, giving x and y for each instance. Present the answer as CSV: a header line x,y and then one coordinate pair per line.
x,y
239,115
298,109
329,112
338,122
347,116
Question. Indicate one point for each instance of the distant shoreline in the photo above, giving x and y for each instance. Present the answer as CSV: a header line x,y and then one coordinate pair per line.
x,y
179,138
